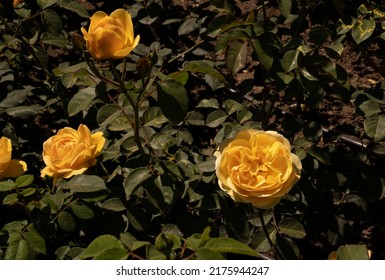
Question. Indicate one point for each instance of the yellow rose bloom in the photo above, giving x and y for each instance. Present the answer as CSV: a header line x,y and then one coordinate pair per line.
x,y
257,167
110,36
9,167
71,152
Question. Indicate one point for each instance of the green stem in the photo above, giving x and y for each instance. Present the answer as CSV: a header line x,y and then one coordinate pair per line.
x,y
134,107
266,232
186,51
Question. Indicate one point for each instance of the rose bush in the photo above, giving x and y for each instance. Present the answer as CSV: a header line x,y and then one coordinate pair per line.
x,y
9,167
257,167
71,152
110,36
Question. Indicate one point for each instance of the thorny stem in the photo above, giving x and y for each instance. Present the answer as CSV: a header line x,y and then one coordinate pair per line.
x,y
134,107
98,75
186,51
266,232
65,207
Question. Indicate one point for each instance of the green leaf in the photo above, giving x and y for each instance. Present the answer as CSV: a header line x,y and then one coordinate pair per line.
x,y
114,204
352,252
208,165
112,254
363,29
290,60
162,141
208,254
198,240
119,123
73,6
107,114
229,245
188,26
66,221
264,52
208,103
15,227
292,228
24,181
46,3
28,192
195,118
320,154
216,118
230,36
288,249
260,241
54,200
344,28
370,107
85,183
148,20
17,250
135,179
335,50
285,7
244,115
99,245
82,211
222,23
24,112
11,199
7,186
81,100
205,68
153,116
154,254
363,10
52,22
375,127
35,241
173,100
337,73
231,106
236,53
137,218
59,41
15,98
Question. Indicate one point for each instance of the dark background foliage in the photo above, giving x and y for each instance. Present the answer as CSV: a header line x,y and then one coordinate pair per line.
x,y
311,70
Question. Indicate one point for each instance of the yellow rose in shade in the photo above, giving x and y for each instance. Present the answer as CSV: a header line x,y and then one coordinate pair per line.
x,y
9,167
257,167
71,152
110,36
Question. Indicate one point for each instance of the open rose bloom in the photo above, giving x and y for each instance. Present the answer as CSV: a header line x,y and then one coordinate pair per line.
x,y
110,36
71,152
257,167
9,167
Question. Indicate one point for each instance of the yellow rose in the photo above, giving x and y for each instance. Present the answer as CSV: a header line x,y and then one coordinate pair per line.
x,y
71,152
110,36
257,167
9,167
